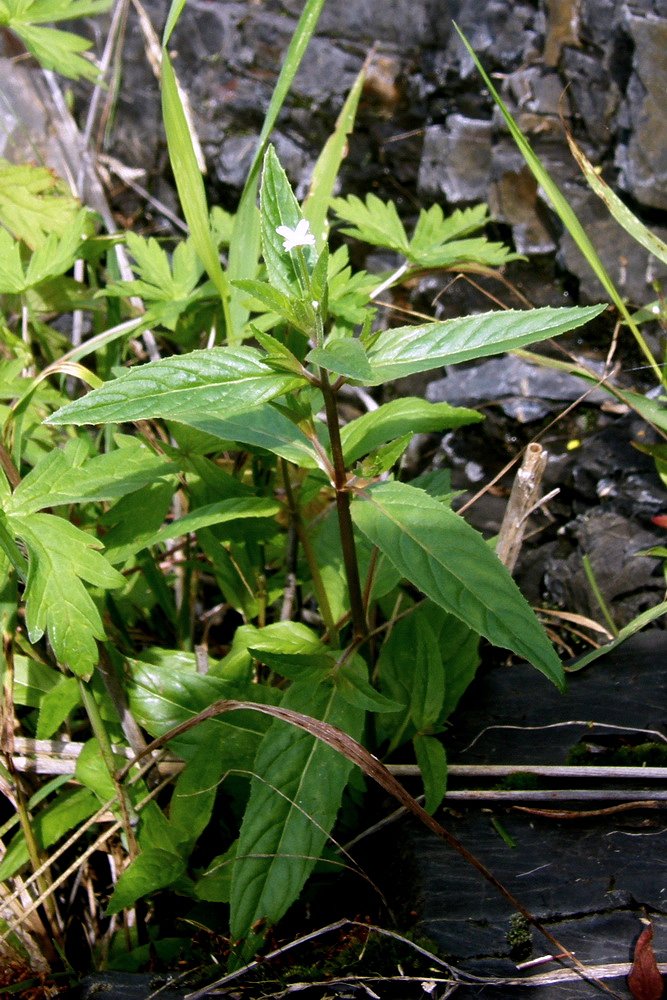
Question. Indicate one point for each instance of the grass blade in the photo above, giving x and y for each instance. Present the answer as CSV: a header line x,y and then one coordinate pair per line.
x,y
244,249
564,211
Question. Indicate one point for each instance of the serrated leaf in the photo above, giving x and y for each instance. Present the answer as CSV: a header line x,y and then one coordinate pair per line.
x,y
33,204
60,558
343,356
58,50
382,459
479,252
408,350
264,427
375,221
450,562
352,683
236,509
433,228
432,761
224,380
68,475
292,649
300,314
279,207
377,427
291,809
163,696
153,869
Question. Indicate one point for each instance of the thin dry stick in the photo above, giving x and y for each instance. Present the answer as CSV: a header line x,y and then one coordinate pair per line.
x,y
373,768
523,498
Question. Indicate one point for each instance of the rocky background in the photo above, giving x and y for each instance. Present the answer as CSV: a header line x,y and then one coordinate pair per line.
x,y
427,130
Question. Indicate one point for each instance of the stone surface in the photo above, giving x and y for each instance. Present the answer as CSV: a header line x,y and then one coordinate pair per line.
x,y
587,879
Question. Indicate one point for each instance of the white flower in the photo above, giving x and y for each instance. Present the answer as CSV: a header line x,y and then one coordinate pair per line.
x,y
299,237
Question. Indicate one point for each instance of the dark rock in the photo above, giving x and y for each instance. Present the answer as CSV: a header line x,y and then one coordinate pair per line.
x,y
643,157
526,392
629,582
588,879
456,161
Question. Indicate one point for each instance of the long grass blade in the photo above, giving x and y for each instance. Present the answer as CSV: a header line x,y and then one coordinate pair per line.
x,y
244,249
564,211
316,205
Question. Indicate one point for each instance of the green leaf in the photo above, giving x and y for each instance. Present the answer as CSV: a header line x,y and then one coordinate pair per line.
x,y
279,207
225,381
153,869
328,552
638,623
352,683
293,804
264,427
292,649
407,350
343,356
244,248
68,475
135,520
375,221
190,185
236,509
383,459
563,209
215,883
50,824
33,204
32,681
427,687
60,558
478,252
299,313
432,761
56,705
450,562
162,697
196,789
435,229
325,172
377,427
92,771
57,50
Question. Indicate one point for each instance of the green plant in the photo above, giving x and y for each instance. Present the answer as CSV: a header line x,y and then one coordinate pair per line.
x,y
359,599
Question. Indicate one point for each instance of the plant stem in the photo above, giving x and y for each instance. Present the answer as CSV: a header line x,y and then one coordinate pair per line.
x,y
102,737
343,507
318,585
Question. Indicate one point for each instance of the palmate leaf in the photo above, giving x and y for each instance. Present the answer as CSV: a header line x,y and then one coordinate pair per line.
x,y
57,602
57,50
223,381
68,475
450,562
407,350
292,808
33,204
373,221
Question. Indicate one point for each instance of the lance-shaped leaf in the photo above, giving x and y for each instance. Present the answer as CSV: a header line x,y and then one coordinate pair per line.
x,y
60,558
224,381
279,207
344,356
450,562
407,350
264,427
395,418
292,807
